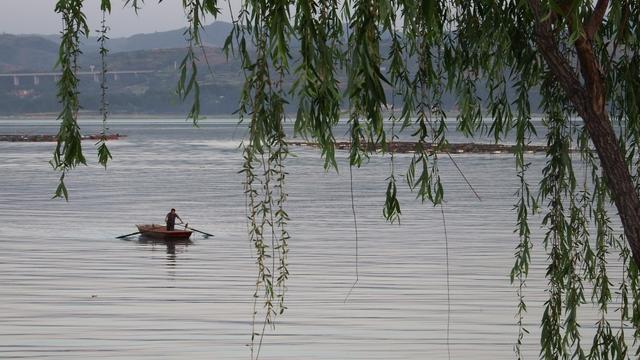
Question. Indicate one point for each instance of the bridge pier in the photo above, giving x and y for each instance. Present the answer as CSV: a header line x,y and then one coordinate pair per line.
x,y
36,80
16,81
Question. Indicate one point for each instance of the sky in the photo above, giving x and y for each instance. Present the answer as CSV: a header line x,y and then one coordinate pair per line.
x,y
38,16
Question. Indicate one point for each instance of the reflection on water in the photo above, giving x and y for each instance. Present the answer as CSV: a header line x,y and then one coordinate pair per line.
x,y
193,300
170,244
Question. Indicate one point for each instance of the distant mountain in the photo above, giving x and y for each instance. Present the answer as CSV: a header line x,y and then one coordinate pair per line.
x,y
151,91
148,64
22,53
163,60
213,35
19,53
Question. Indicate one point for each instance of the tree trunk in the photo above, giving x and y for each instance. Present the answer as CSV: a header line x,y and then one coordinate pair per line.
x,y
589,100
612,160
618,177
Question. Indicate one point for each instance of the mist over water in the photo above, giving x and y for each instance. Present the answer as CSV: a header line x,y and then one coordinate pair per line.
x,y
71,290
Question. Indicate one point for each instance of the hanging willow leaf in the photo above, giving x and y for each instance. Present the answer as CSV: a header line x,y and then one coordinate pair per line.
x,y
492,59
68,152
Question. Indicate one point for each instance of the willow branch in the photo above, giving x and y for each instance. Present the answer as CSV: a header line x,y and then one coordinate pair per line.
x,y
595,21
567,76
591,74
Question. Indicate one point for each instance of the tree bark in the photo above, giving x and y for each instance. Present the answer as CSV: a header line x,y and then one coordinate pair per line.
x,y
589,100
618,177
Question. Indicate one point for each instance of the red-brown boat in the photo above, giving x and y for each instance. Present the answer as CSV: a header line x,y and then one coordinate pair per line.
x,y
161,232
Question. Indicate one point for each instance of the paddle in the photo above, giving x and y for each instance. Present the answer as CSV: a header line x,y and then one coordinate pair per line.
x,y
124,236
196,230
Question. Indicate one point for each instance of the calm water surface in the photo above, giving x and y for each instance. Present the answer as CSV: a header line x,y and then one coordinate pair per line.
x,y
71,290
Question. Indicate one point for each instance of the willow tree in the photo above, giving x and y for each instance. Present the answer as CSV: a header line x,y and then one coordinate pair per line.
x,y
581,56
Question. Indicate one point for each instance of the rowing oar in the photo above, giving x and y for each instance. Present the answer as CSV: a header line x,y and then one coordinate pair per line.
x,y
196,230
124,236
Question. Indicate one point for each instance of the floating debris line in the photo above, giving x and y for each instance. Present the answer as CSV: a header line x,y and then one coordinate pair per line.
x,y
453,148
53,138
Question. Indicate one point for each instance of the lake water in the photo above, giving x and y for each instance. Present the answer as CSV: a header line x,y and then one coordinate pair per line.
x,y
71,290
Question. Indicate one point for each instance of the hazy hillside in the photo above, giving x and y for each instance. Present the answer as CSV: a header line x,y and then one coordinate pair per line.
x,y
33,53
151,91
26,53
160,60
213,35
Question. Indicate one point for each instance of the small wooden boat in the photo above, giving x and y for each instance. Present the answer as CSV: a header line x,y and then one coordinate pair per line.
x,y
161,232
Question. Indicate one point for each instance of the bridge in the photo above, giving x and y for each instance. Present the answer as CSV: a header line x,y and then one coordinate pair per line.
x,y
56,75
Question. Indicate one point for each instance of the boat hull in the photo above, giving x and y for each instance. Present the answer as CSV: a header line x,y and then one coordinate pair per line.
x,y
161,232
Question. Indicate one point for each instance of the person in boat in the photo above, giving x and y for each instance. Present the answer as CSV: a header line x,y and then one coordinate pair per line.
x,y
170,219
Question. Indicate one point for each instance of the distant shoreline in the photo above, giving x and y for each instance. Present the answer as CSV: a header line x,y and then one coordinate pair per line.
x,y
119,116
54,138
408,147
402,147
146,116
